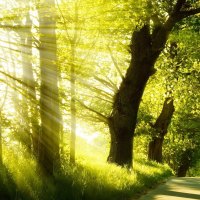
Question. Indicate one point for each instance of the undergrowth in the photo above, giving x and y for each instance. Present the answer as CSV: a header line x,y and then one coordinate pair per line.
x,y
90,179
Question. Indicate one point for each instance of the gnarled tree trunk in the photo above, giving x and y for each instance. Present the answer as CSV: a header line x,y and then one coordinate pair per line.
x,y
122,121
161,126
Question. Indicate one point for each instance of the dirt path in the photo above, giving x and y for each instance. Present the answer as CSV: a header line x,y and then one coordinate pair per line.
x,y
176,189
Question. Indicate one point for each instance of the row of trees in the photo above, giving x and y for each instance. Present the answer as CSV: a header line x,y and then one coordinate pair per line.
x,y
92,71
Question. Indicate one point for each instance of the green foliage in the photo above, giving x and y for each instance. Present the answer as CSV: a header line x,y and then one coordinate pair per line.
x,y
194,171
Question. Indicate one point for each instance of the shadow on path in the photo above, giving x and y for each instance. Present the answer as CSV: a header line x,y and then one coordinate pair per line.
x,y
182,194
176,189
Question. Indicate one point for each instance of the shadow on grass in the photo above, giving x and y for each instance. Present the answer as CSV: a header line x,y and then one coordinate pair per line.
x,y
148,163
69,188
8,187
84,184
76,183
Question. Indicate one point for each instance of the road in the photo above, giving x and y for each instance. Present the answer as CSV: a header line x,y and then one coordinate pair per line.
x,y
175,189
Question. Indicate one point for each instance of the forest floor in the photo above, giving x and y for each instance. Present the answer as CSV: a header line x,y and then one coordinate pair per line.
x,y
175,189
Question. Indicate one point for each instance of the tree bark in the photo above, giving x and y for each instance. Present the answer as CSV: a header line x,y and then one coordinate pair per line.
x,y
182,170
161,126
122,121
145,49
49,102
121,147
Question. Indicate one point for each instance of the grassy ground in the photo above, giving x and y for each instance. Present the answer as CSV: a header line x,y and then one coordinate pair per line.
x,y
91,179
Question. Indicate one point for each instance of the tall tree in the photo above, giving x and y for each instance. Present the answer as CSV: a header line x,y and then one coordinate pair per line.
x,y
147,43
1,145
29,97
1,117
73,43
49,101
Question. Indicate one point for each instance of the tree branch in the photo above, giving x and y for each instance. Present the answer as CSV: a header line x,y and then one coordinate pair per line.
x,y
106,83
187,13
97,97
95,89
161,33
17,80
102,117
115,63
178,6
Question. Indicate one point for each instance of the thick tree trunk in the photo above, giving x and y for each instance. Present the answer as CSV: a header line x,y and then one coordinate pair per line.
x,y
127,99
121,149
161,126
145,49
182,170
155,149
49,102
185,163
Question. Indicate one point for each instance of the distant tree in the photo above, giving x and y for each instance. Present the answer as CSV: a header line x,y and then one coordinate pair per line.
x,y
163,121
185,162
181,150
160,127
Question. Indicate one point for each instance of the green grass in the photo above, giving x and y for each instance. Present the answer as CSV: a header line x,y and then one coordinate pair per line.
x,y
91,179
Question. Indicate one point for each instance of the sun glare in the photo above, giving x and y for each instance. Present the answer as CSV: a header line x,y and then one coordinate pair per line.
x,y
89,138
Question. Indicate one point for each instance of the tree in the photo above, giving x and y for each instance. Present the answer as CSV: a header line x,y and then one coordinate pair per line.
x,y
1,159
30,124
163,121
181,148
76,48
31,86
147,43
49,101
1,122
160,127
185,162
